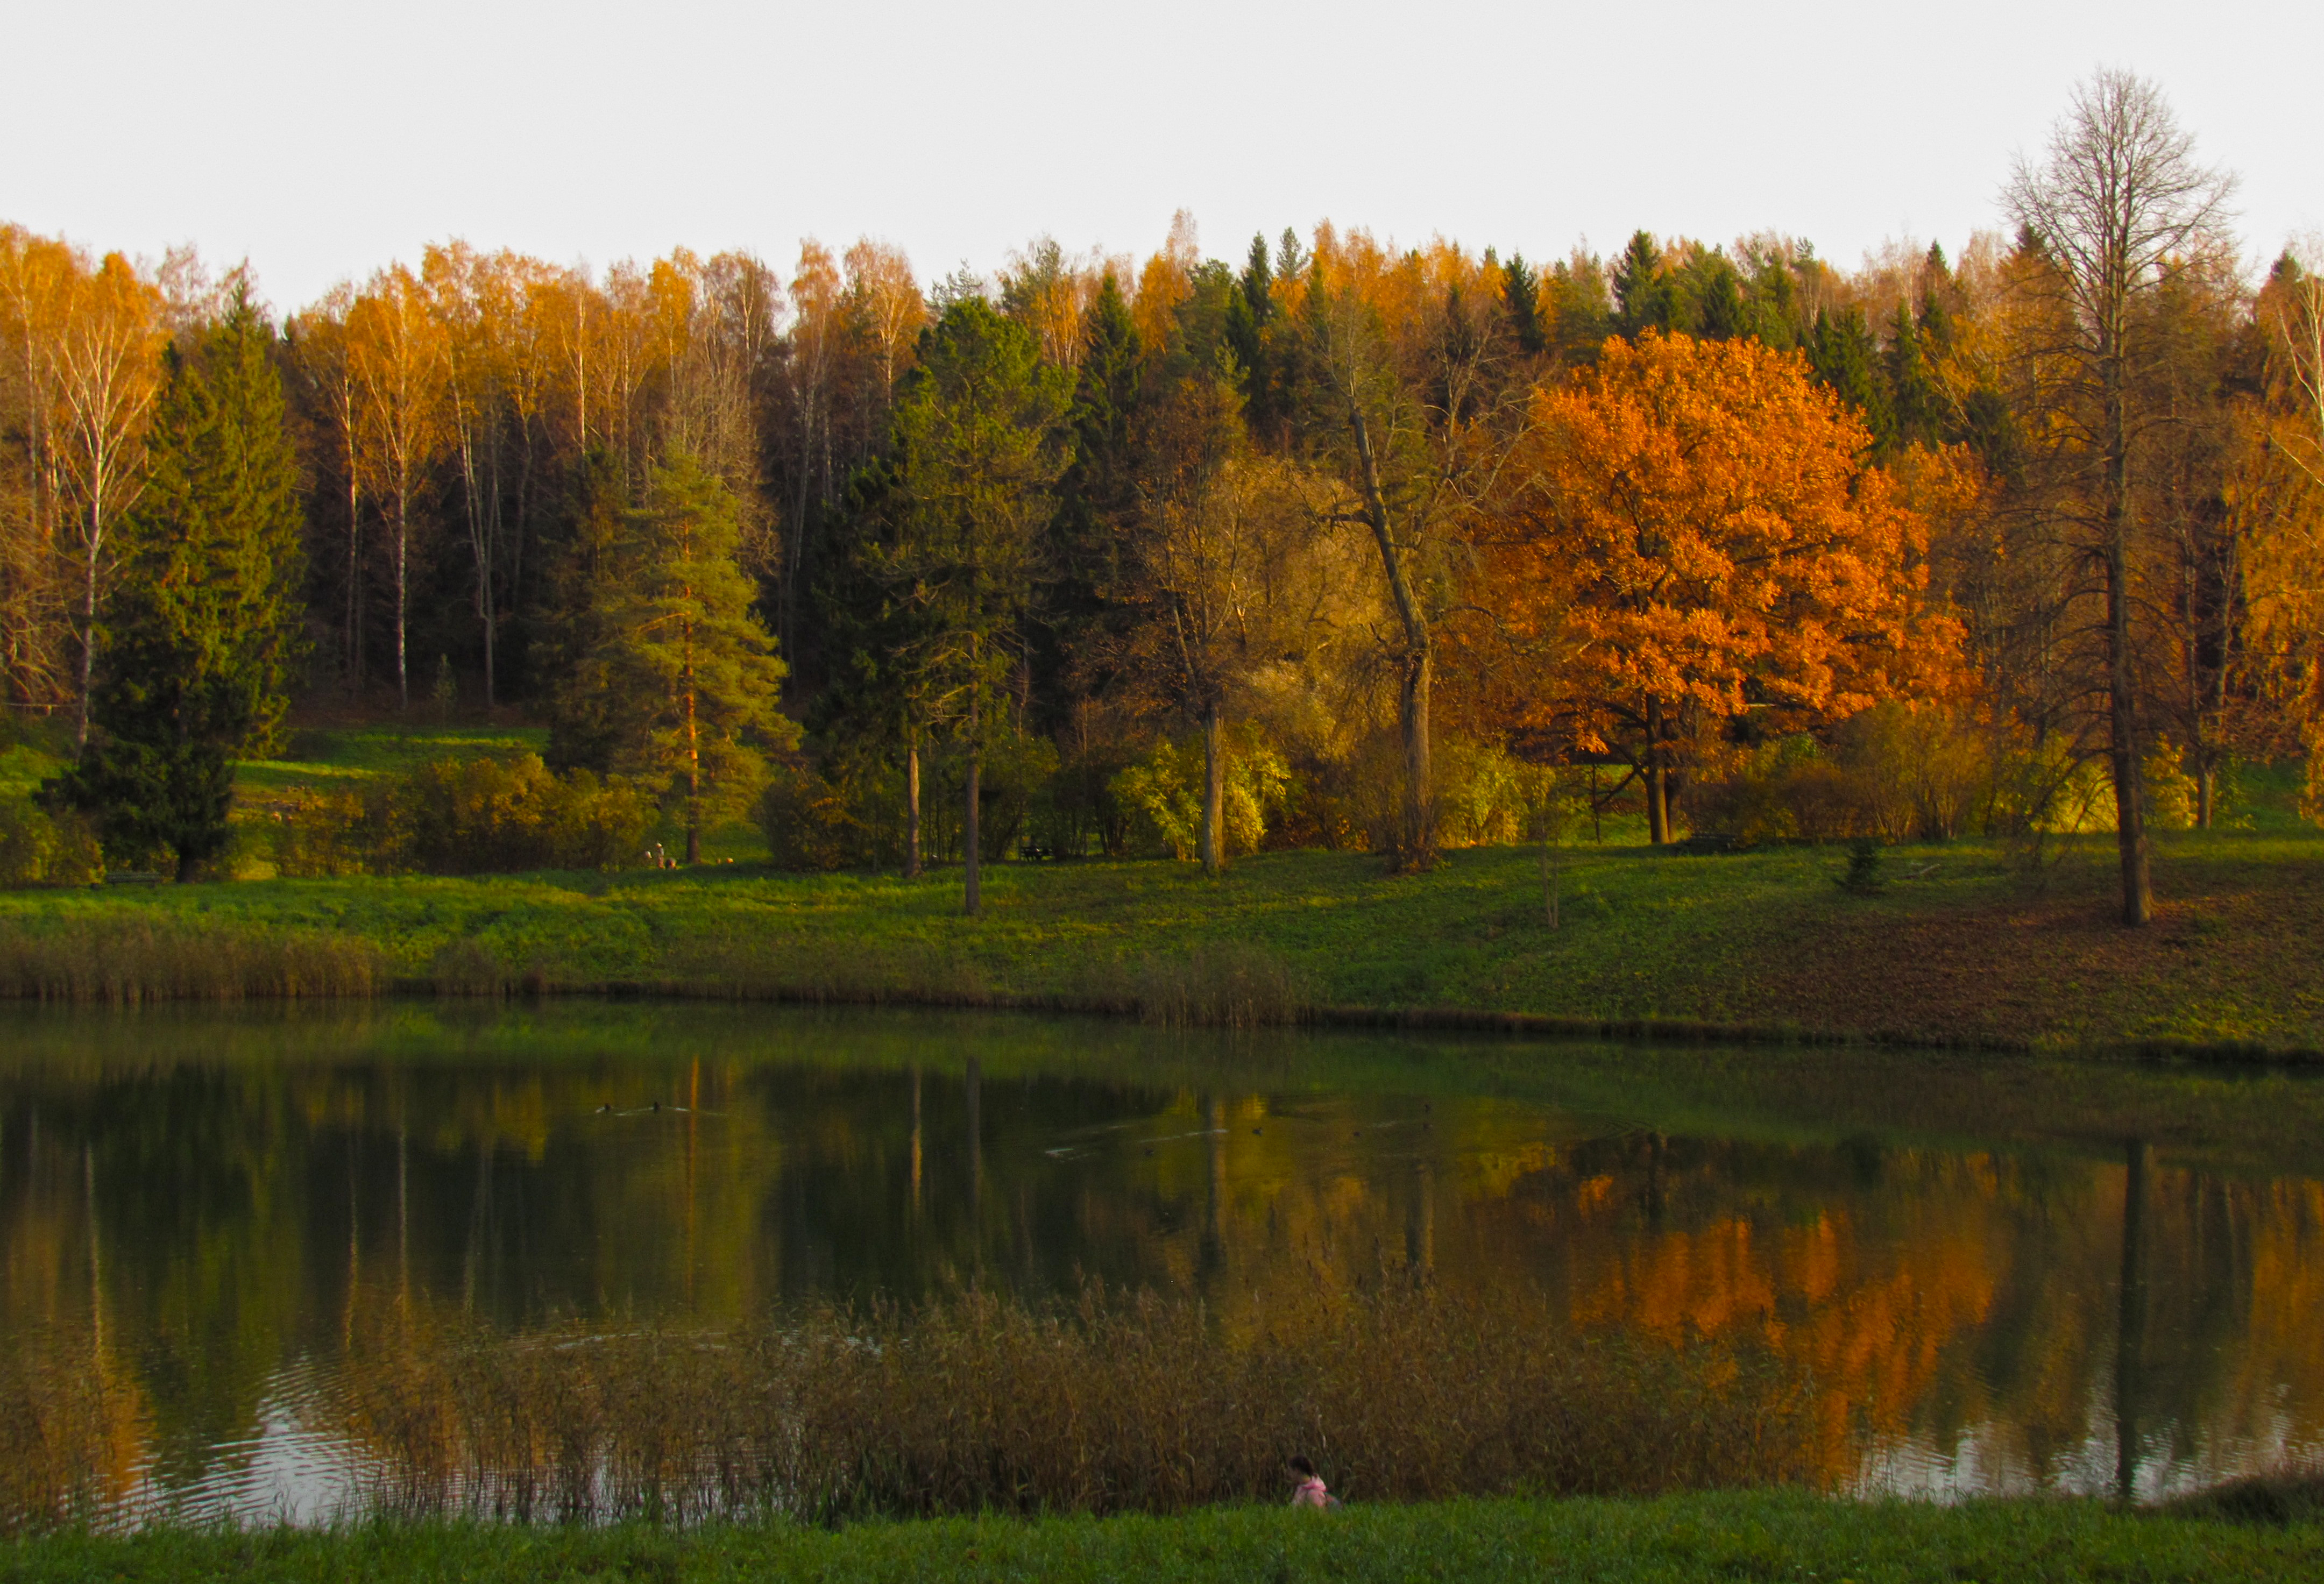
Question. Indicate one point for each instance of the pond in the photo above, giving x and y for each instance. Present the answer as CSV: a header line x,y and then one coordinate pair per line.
x,y
1993,1276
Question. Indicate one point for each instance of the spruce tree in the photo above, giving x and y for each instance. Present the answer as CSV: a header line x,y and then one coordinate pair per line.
x,y
980,438
1846,359
1913,391
1642,291
202,626
1521,297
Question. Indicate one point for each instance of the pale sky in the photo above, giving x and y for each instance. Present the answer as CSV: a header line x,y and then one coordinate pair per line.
x,y
320,141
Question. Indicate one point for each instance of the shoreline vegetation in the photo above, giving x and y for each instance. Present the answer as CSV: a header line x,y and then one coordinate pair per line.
x,y
2253,1532
1963,949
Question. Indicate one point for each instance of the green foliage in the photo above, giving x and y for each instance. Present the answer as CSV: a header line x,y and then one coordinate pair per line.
x,y
482,815
1847,358
582,729
1521,300
1165,789
846,810
689,676
1642,291
980,442
38,849
202,624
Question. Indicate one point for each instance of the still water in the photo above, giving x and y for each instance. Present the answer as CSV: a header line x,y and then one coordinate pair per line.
x,y
2003,1275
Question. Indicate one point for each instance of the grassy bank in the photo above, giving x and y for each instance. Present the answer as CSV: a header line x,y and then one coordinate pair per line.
x,y
1673,1541
1960,946
1960,942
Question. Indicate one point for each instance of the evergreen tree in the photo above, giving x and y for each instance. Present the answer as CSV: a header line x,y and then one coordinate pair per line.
x,y
1717,294
690,674
571,643
1642,289
202,625
1578,312
1918,411
1095,497
1846,359
1521,297
980,440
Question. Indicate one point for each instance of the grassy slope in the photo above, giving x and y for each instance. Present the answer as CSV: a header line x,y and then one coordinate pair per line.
x,y
1960,945
1719,1537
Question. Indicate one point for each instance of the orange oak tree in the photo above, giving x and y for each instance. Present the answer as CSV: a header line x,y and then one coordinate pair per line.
x,y
1694,536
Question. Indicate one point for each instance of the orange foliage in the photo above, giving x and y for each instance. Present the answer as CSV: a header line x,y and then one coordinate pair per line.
x,y
1693,535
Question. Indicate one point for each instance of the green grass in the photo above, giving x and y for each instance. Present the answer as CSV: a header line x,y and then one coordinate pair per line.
x,y
1673,1541
1961,944
1967,951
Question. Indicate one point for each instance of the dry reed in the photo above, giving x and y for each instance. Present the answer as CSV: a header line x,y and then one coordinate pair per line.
x,y
127,961
1226,986
1106,1404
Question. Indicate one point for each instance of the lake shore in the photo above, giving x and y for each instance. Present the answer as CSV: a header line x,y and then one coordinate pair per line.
x,y
1677,1540
1959,946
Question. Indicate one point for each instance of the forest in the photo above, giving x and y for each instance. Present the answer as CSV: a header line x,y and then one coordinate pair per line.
x,y
1338,543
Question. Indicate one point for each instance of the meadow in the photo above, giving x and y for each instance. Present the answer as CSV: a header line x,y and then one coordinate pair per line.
x,y
1966,942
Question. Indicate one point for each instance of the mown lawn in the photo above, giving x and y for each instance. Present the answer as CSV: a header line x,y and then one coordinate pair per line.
x,y
1677,1540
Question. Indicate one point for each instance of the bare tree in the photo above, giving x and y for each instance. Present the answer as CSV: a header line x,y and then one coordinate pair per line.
x,y
2120,207
104,369
398,353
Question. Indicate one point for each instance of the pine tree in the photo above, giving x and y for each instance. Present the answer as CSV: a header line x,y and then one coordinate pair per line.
x,y
203,623
689,672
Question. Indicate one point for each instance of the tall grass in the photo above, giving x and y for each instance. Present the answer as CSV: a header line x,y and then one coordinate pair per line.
x,y
1106,1404
124,960
1231,985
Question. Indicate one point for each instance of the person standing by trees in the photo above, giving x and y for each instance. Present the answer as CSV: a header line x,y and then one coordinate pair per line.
x,y
689,676
978,443
2118,210
203,617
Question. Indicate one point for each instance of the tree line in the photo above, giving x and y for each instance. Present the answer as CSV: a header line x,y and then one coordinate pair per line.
x,y
1342,543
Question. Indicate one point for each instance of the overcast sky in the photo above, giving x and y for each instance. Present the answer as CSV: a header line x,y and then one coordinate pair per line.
x,y
320,140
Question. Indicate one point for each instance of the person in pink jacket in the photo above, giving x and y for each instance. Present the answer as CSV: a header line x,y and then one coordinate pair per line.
x,y
1310,1492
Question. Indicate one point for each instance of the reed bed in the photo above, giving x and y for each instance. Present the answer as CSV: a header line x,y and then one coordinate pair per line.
x,y
124,962
1233,985
1106,1404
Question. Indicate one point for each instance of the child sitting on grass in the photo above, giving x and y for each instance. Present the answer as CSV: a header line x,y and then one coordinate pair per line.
x,y
1311,1492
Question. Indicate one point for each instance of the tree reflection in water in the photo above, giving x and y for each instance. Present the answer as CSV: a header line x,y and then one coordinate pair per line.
x,y
1982,1301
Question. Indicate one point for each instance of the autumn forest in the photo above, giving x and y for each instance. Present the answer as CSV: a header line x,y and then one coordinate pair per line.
x,y
1336,542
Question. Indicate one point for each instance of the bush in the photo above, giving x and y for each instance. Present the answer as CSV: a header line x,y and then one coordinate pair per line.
x,y
40,849
1163,790
814,823
465,817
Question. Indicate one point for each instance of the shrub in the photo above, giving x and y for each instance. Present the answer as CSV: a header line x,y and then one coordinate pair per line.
x,y
1163,790
1484,798
465,817
814,823
40,849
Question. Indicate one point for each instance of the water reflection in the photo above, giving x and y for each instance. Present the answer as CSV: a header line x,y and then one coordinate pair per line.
x,y
206,1208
